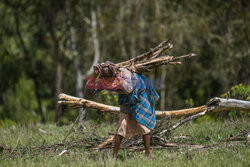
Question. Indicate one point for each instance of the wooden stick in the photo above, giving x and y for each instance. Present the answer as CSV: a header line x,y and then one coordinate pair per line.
x,y
179,113
155,62
182,122
164,46
109,140
87,103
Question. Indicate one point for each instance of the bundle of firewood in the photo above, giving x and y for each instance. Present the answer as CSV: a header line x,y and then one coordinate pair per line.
x,y
153,58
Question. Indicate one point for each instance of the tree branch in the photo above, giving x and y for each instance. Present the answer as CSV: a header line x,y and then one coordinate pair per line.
x,y
216,104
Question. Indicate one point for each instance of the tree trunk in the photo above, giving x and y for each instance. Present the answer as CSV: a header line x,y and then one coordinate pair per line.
x,y
132,47
38,97
58,76
95,61
119,29
79,76
30,73
163,88
58,84
95,42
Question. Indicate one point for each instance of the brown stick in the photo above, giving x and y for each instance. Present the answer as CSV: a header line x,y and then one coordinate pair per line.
x,y
151,59
147,65
164,46
182,122
87,103
109,140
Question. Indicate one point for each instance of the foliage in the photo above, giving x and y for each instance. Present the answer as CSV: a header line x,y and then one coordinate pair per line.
x,y
189,102
37,61
239,91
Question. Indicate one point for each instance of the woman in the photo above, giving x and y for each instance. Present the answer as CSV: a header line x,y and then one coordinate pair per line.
x,y
136,99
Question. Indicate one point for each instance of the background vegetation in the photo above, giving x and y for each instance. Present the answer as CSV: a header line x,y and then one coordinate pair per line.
x,y
48,47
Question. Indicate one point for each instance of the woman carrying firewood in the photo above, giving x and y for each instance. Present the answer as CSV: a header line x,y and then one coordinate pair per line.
x,y
136,98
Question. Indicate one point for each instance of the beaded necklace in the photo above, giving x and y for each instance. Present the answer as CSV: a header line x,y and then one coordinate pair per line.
x,y
113,85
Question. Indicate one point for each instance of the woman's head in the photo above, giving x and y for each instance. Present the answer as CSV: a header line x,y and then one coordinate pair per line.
x,y
106,69
106,72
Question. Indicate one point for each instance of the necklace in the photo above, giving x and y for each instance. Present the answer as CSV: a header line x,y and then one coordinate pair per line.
x,y
111,85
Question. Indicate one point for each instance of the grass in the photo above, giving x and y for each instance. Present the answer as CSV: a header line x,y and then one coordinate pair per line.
x,y
209,132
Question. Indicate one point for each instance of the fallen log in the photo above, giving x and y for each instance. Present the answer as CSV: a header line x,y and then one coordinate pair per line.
x,y
214,105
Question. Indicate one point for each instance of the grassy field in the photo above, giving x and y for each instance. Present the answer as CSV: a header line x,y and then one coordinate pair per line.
x,y
206,132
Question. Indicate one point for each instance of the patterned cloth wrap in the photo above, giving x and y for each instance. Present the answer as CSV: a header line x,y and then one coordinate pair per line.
x,y
141,102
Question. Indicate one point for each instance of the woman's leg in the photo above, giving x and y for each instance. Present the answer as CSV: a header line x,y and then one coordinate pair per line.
x,y
146,140
118,139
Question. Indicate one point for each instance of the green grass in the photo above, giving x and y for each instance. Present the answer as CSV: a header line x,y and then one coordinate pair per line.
x,y
208,132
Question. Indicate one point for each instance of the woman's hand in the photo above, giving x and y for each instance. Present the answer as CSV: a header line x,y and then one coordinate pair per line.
x,y
97,69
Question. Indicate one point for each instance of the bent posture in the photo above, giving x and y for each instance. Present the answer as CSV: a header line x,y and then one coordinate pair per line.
x,y
136,99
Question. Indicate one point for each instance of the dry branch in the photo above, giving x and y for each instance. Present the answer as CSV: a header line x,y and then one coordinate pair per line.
x,y
165,146
109,140
153,58
72,101
216,104
164,46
